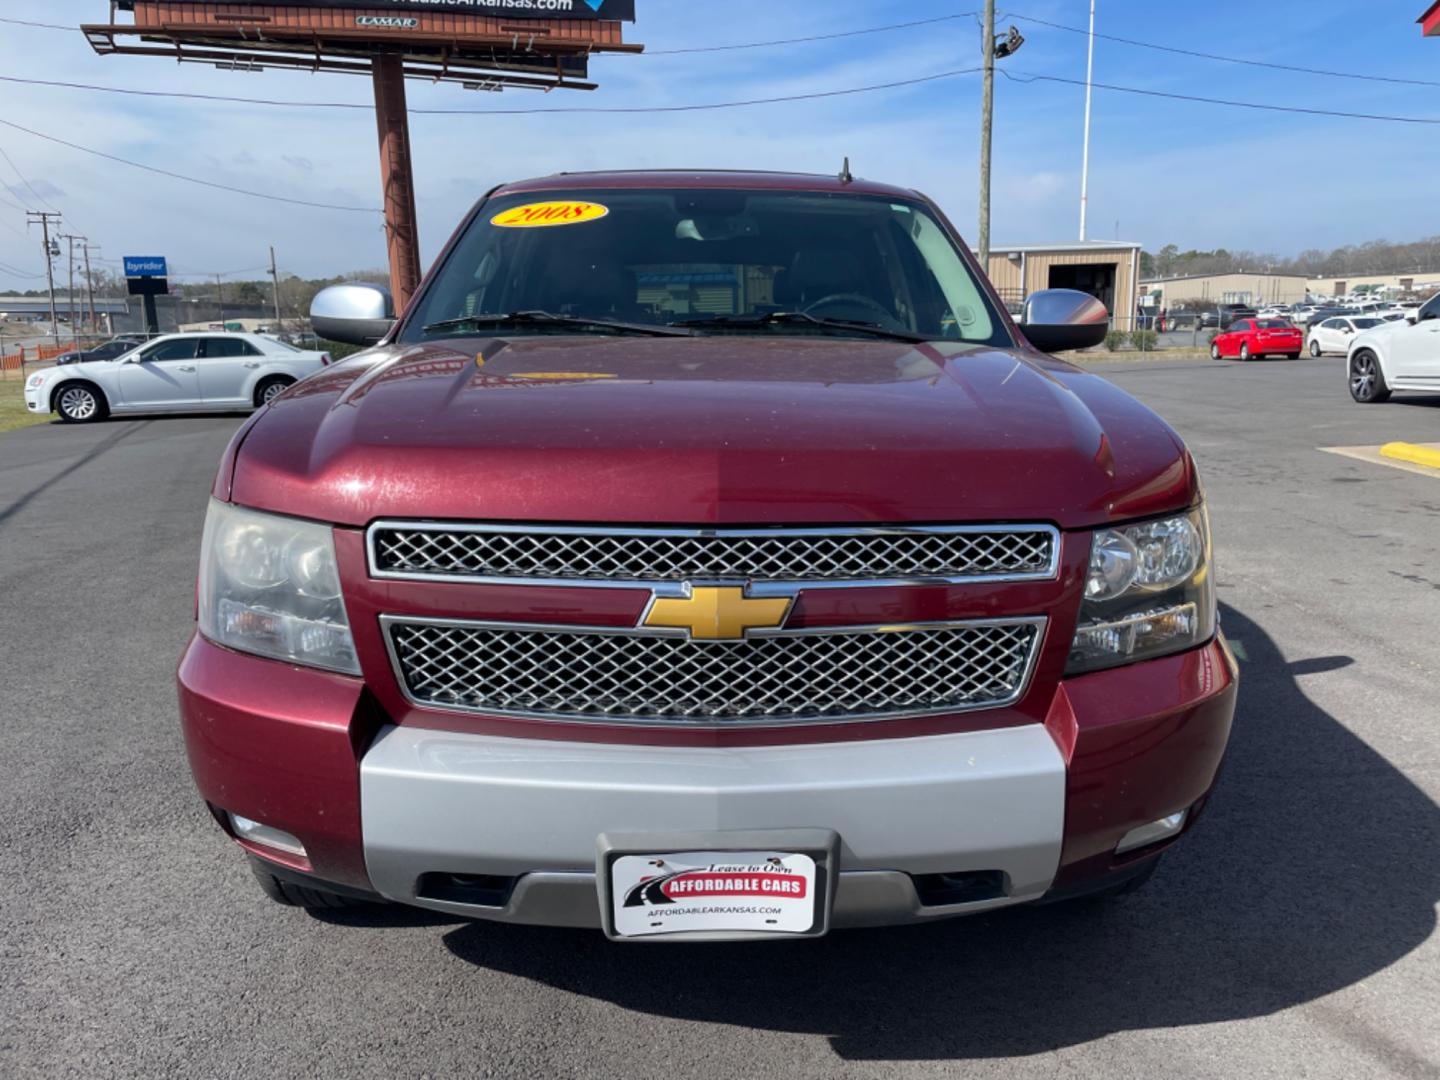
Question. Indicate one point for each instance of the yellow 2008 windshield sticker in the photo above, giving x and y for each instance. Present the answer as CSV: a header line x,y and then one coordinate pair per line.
x,y
542,214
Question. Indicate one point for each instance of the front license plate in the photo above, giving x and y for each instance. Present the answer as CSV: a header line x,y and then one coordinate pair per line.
x,y
714,892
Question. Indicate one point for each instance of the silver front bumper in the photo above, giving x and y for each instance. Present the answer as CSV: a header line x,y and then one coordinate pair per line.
x,y
531,809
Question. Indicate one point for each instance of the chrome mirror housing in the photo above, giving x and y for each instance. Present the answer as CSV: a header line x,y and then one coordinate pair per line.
x,y
356,314
1056,320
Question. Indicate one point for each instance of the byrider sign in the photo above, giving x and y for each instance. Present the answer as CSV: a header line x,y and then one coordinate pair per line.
x,y
512,9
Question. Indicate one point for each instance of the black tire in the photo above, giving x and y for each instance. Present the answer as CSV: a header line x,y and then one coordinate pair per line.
x,y
271,388
1245,350
80,403
1315,349
1366,379
1214,351
301,896
1292,356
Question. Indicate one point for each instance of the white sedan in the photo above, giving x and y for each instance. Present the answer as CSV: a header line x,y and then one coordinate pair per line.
x,y
175,373
1334,335
1401,355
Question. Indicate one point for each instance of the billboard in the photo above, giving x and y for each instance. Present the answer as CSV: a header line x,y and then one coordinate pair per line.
x,y
507,9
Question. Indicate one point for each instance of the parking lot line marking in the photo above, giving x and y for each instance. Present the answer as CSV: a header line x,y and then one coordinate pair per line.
x,y
1373,455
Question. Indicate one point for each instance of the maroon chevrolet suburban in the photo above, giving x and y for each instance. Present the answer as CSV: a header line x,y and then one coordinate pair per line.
x,y
705,556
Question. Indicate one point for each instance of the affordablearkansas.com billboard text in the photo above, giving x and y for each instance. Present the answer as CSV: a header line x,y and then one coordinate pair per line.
x,y
521,9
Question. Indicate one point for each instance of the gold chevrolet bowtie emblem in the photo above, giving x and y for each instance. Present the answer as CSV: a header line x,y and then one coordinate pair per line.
x,y
717,613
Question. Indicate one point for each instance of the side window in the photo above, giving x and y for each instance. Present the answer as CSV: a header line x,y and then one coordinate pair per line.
x,y
1430,309
1239,326
226,348
177,349
1331,324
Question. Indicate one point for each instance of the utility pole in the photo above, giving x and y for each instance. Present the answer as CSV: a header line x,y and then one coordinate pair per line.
x,y
987,108
44,217
1085,158
90,284
275,281
220,299
991,50
70,239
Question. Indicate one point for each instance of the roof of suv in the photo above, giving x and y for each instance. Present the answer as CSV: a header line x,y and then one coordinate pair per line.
x,y
702,178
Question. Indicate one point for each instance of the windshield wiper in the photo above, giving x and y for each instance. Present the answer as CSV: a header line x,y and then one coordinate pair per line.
x,y
759,320
546,318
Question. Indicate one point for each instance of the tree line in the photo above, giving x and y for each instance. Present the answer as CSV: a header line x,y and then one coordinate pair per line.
x,y
1352,260
295,292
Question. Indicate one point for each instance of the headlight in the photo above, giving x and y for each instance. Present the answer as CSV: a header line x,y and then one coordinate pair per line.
x,y
269,585
34,380
1149,592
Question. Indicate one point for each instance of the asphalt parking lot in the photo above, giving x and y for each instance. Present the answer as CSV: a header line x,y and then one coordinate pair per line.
x,y
1292,935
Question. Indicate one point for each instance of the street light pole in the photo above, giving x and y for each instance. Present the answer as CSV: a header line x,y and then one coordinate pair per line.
x,y
1085,157
987,108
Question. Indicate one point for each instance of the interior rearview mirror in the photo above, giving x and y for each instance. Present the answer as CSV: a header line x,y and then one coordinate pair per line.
x,y
356,314
1057,320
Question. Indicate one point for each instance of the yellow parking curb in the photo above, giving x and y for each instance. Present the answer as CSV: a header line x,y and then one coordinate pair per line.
x,y
1416,455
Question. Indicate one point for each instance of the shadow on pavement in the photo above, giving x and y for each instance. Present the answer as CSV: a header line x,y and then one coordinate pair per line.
x,y
1313,869
100,449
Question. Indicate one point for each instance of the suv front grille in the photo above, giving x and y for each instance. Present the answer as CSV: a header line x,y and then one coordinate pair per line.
x,y
566,673
630,556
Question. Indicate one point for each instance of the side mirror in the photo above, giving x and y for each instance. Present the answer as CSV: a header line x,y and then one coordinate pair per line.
x,y
353,314
1056,320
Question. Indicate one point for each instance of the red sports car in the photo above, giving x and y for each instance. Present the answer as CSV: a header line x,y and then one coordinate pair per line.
x,y
1250,339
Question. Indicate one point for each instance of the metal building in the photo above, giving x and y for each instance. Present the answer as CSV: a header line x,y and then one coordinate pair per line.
x,y
1107,270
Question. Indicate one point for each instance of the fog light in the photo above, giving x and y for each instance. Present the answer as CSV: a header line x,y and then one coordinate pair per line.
x,y
266,836
1163,829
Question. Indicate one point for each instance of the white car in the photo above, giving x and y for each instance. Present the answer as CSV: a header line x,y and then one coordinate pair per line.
x,y
176,373
1402,355
1335,334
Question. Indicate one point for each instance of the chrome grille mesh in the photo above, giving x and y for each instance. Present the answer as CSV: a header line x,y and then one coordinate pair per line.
x,y
673,555
783,678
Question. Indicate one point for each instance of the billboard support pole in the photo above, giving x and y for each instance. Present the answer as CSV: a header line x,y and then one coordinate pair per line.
x,y
397,177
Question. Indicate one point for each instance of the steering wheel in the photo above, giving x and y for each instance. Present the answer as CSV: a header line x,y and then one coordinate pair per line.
x,y
853,299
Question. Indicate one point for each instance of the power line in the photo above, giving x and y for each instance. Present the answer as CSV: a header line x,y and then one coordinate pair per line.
x,y
29,186
186,95
806,40
708,106
701,107
1227,59
16,272
189,179
1033,77
40,25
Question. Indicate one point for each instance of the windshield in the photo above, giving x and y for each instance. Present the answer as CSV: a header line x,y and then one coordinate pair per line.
x,y
1273,324
712,260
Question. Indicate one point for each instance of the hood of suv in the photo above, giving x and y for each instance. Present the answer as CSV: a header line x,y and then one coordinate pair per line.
x,y
719,429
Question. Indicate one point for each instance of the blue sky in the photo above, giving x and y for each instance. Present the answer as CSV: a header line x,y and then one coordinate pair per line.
x,y
1162,171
